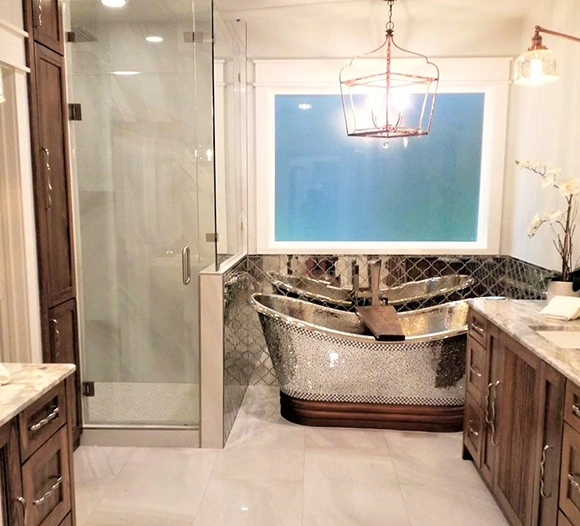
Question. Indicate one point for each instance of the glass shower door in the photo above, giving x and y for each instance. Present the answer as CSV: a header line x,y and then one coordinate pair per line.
x,y
140,184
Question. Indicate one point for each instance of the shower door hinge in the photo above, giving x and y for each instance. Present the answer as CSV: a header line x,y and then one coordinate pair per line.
x,y
75,112
211,238
88,388
196,37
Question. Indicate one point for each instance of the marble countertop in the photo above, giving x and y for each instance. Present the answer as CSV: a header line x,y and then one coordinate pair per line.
x,y
28,382
520,319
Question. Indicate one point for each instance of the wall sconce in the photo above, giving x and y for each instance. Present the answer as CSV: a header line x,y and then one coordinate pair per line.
x,y
538,65
388,104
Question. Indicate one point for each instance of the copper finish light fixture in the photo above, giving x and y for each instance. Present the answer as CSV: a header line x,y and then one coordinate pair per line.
x,y
538,64
389,103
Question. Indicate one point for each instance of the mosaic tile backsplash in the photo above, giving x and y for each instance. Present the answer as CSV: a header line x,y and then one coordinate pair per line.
x,y
246,358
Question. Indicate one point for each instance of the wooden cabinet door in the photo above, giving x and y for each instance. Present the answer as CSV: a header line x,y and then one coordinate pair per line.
x,y
43,19
494,376
570,475
64,349
516,400
11,508
55,241
549,442
47,481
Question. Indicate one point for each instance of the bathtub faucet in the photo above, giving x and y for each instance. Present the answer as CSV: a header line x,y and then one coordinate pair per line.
x,y
375,270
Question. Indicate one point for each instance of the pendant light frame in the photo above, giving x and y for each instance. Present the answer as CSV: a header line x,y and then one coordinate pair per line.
x,y
376,104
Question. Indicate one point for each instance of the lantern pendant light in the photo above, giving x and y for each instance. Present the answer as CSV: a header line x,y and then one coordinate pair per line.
x,y
393,102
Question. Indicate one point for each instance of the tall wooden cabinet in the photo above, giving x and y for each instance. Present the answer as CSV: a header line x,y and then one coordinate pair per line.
x,y
52,187
513,424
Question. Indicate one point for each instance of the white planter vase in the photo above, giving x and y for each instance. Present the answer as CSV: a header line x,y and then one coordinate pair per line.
x,y
561,288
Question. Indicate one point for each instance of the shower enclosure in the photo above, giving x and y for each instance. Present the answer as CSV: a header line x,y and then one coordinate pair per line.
x,y
147,158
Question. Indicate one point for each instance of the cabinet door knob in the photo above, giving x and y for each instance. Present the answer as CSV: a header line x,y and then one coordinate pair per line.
x,y
41,423
492,417
487,393
38,19
574,482
56,333
475,371
576,410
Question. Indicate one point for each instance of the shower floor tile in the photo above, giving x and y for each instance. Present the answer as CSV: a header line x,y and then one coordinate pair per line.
x,y
273,472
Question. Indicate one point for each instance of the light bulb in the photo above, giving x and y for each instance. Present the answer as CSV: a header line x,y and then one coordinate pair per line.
x,y
114,3
154,39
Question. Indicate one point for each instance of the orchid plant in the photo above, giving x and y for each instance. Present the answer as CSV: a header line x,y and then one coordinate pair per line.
x,y
562,222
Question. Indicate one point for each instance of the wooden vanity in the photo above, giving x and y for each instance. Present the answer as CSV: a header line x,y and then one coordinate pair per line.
x,y
522,413
36,470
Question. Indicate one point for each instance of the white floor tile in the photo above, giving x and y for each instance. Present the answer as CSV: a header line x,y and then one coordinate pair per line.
x,y
347,487
251,503
157,487
343,437
259,462
435,506
95,470
433,459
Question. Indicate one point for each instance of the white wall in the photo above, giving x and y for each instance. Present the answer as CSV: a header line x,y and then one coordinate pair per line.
x,y
544,124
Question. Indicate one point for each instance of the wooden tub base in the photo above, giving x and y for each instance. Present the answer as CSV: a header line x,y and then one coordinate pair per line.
x,y
363,415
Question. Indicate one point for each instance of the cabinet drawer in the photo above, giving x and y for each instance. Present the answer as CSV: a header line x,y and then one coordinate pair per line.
x,y
572,405
40,420
570,475
563,521
46,481
477,372
473,428
477,327
67,521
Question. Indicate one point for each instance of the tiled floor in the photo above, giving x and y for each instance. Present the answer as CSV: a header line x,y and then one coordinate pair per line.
x,y
275,473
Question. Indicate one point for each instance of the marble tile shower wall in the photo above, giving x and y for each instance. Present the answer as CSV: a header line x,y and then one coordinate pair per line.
x,y
246,358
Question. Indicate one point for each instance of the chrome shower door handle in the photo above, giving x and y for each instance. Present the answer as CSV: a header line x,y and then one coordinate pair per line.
x,y
186,265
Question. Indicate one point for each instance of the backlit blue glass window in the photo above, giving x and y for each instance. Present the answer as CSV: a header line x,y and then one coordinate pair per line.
x,y
330,187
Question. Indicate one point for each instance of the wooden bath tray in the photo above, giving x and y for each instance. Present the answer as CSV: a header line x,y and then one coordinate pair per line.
x,y
383,322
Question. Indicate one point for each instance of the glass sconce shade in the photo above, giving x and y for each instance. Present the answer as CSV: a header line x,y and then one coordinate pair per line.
x,y
534,67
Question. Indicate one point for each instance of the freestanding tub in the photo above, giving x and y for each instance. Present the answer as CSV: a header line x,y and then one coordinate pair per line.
x,y
332,372
411,292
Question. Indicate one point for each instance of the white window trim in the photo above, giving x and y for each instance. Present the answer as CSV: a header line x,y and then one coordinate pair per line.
x,y
17,207
487,75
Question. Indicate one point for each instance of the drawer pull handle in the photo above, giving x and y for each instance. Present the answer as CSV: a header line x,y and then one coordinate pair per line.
x,y
475,371
573,482
471,430
53,488
543,473
41,423
477,328
24,509
576,410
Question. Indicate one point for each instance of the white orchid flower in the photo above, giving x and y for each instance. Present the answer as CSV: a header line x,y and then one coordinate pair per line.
x,y
570,187
553,215
534,225
548,180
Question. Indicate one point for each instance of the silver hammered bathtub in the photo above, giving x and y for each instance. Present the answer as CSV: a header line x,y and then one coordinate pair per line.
x,y
332,372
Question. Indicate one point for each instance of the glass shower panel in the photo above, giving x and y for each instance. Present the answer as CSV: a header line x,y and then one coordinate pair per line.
x,y
230,134
141,192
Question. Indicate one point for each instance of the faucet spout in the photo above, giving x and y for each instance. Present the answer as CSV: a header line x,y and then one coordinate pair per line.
x,y
375,270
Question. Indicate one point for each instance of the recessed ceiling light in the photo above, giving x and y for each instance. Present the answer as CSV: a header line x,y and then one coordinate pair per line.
x,y
154,39
125,73
114,3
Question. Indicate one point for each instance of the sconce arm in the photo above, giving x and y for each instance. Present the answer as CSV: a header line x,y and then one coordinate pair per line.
x,y
540,29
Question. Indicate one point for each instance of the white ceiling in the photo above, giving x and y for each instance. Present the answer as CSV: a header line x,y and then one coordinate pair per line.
x,y
403,9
